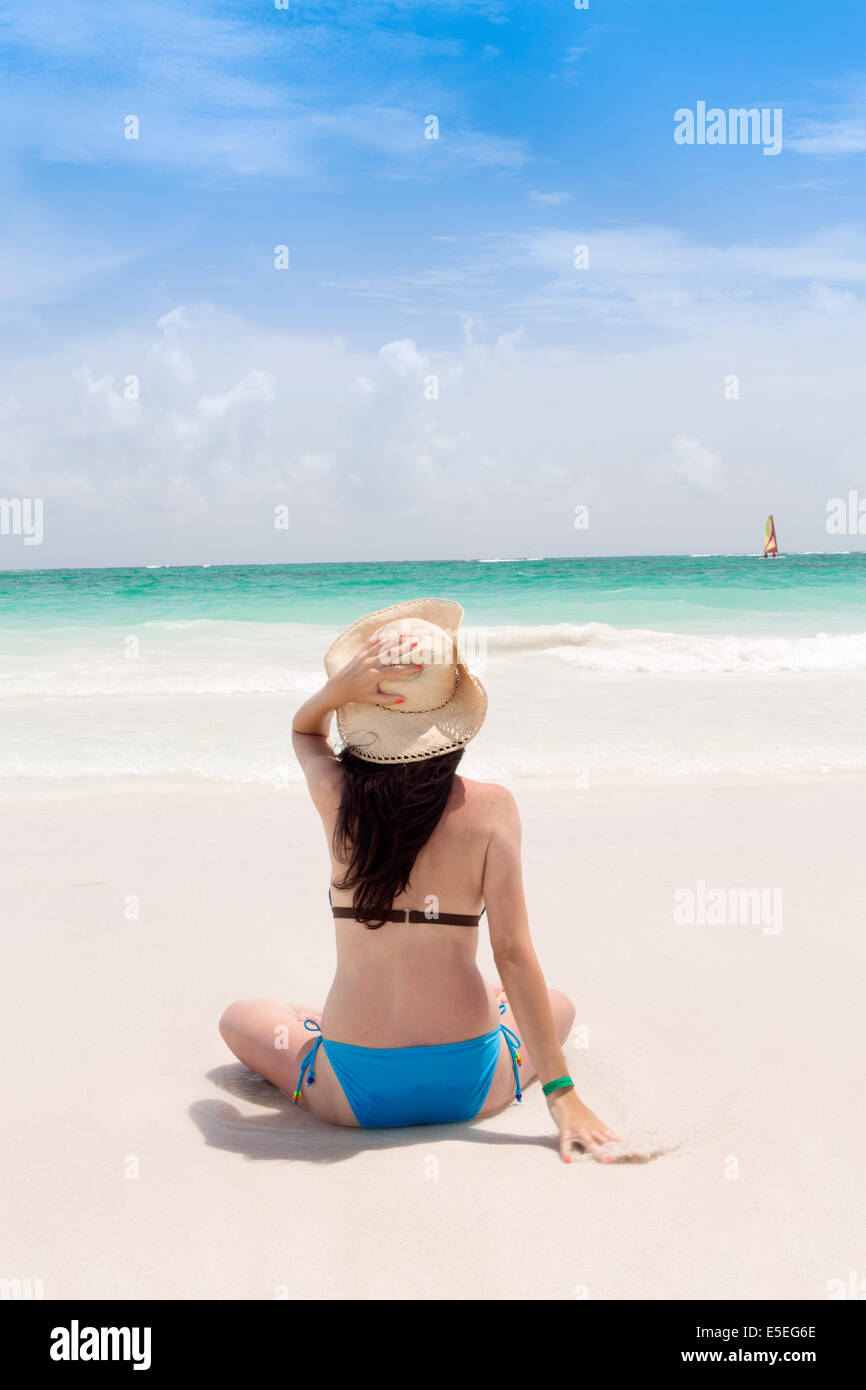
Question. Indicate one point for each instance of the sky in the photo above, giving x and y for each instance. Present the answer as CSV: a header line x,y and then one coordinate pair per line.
x,y
551,304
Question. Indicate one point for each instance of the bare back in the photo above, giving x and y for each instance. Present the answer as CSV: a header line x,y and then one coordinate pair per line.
x,y
413,984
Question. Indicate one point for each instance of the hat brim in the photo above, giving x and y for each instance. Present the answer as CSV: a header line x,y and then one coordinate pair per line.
x,y
387,734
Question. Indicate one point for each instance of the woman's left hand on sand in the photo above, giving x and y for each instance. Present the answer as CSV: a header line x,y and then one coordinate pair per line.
x,y
578,1125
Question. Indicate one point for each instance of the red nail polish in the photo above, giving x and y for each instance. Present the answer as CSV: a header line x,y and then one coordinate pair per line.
x,y
401,701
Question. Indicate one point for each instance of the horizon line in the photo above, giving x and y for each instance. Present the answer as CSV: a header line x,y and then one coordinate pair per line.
x,y
474,560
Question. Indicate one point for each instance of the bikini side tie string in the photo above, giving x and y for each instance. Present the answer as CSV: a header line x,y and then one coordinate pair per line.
x,y
309,1061
514,1048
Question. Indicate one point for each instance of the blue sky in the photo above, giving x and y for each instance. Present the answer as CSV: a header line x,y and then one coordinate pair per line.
x,y
451,257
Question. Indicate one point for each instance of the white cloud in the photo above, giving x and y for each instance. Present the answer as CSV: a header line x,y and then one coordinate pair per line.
x,y
185,73
101,406
254,386
44,263
519,435
651,279
692,461
840,128
397,135
548,200
403,357
831,137
663,253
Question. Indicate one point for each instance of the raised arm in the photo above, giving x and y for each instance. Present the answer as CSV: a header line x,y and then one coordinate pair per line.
x,y
357,682
310,729
524,982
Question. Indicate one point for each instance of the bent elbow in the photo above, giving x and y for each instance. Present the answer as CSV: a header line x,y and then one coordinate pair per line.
x,y
513,957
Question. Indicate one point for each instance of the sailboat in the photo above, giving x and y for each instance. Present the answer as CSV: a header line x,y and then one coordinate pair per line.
x,y
771,545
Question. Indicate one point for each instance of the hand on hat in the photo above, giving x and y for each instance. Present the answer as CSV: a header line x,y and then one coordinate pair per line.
x,y
358,681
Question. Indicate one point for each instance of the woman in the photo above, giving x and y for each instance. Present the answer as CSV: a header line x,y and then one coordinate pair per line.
x,y
410,1032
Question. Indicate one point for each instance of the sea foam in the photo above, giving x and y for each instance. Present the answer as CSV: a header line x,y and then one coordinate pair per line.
x,y
601,647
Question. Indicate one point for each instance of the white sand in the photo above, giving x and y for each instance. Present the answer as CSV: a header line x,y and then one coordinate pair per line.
x,y
734,1044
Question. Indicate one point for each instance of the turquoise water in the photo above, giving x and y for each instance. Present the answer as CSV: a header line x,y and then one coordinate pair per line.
x,y
641,667
735,593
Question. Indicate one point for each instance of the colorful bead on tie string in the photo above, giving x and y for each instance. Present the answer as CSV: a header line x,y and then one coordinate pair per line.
x,y
309,1061
515,1041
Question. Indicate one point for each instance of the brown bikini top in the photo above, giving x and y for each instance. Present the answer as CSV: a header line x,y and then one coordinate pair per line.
x,y
411,914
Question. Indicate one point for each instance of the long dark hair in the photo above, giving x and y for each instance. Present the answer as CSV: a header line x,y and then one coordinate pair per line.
x,y
388,811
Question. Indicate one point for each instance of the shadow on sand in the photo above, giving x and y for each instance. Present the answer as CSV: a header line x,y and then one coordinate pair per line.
x,y
288,1132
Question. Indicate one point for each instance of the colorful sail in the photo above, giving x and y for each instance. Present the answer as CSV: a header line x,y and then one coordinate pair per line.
x,y
770,544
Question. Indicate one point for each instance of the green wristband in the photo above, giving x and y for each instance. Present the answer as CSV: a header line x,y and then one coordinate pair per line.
x,y
555,1085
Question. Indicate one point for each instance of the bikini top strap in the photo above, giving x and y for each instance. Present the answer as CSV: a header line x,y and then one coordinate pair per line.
x,y
453,919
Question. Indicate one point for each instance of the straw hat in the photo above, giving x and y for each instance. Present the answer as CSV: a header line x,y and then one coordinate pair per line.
x,y
444,704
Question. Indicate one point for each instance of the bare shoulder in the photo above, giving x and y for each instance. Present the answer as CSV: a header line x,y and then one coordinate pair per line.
x,y
490,802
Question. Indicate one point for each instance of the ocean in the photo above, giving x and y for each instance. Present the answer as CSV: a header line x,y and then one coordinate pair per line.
x,y
599,671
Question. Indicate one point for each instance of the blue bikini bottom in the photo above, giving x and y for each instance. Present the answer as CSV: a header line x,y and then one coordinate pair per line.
x,y
390,1086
